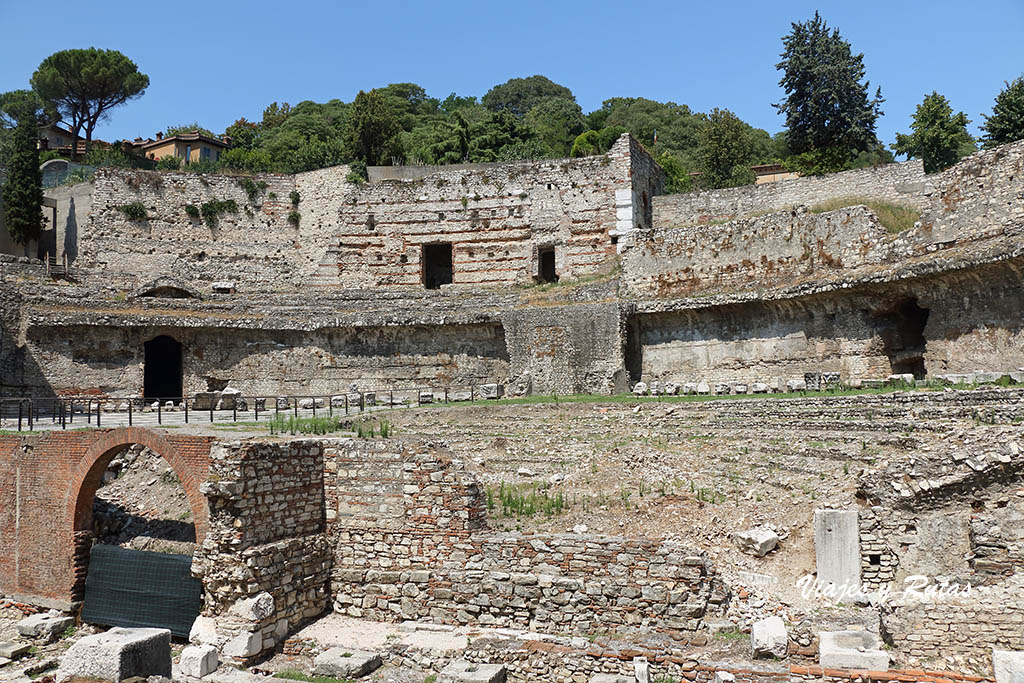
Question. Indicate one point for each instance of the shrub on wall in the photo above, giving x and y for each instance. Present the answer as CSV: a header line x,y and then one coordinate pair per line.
x,y
252,188
294,196
192,210
136,211
212,210
294,217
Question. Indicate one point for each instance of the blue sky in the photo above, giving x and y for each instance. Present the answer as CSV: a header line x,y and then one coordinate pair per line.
x,y
215,61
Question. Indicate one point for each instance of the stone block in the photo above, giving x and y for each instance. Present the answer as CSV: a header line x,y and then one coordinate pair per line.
x,y
611,678
10,650
118,654
492,391
459,395
44,627
204,400
641,670
244,645
203,631
837,548
461,671
198,660
723,677
640,388
671,388
758,541
1009,666
796,385
254,609
769,638
851,650
343,662
759,388
703,388
689,388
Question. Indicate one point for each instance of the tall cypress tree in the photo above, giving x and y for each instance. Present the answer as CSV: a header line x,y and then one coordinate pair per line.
x,y
23,191
829,116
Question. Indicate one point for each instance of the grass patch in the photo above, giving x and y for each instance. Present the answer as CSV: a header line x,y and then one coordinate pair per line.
x,y
896,218
524,500
292,675
289,424
368,429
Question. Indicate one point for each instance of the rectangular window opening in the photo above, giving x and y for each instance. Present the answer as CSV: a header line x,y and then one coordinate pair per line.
x,y
546,265
437,265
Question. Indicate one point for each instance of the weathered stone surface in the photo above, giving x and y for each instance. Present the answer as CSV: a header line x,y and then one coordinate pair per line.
x,y
769,638
758,541
346,663
198,660
851,650
836,548
611,678
244,645
492,391
203,631
118,654
1008,665
461,671
10,650
44,627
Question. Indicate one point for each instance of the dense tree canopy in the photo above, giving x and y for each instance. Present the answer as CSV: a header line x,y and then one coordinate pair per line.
x,y
84,85
939,137
518,96
725,150
1006,124
829,115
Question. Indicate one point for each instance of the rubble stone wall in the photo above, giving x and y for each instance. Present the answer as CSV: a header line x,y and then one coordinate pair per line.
x,y
409,543
903,183
272,362
265,562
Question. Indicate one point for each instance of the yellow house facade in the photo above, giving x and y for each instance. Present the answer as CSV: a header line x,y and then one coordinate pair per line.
x,y
190,147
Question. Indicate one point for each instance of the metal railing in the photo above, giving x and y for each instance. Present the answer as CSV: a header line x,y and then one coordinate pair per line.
x,y
72,412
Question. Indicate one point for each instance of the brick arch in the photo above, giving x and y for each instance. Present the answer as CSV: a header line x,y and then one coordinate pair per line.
x,y
190,464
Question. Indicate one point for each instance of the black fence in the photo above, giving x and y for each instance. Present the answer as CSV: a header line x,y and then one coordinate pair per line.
x,y
70,412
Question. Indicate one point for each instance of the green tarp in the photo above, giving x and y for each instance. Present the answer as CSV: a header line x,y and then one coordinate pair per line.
x,y
135,588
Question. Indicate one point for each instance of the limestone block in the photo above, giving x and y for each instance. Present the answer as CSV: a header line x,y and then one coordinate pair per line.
x,y
461,671
283,403
343,662
338,401
740,388
689,388
426,397
671,388
722,388
1009,666
640,388
254,609
11,651
851,650
812,381
703,388
768,638
118,654
902,378
796,385
204,400
759,388
492,391
641,670
198,660
758,541
44,627
837,548
724,677
611,678
203,631
245,644
460,395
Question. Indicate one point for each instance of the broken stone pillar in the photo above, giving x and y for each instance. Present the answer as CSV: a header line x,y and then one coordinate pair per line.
x,y
837,548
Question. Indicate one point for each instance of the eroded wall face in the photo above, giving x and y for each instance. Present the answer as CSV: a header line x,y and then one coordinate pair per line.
x,y
257,362
903,183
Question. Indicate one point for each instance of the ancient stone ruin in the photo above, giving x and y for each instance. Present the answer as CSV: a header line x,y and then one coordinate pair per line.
x,y
799,457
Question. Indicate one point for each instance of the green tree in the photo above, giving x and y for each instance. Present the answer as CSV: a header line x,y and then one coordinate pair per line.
x,y
1006,124
189,128
586,144
372,135
243,134
517,96
556,122
84,85
939,137
829,116
725,150
22,114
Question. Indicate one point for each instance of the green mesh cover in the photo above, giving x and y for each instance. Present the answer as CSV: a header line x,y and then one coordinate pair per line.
x,y
135,588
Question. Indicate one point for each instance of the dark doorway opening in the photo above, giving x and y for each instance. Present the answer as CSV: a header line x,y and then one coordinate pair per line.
x,y
162,374
546,265
437,265
901,328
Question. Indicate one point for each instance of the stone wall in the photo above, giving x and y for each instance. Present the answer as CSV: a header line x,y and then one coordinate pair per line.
x,y
407,527
903,183
268,362
265,562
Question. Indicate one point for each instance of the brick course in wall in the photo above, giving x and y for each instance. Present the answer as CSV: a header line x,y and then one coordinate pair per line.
x,y
407,526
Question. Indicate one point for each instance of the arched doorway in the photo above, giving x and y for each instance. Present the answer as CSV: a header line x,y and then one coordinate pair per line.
x,y
118,583
162,375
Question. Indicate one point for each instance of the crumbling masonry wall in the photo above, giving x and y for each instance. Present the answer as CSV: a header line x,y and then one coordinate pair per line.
x,y
266,561
903,183
408,532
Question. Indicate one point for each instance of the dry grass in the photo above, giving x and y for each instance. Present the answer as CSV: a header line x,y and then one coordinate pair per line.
x,y
896,218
